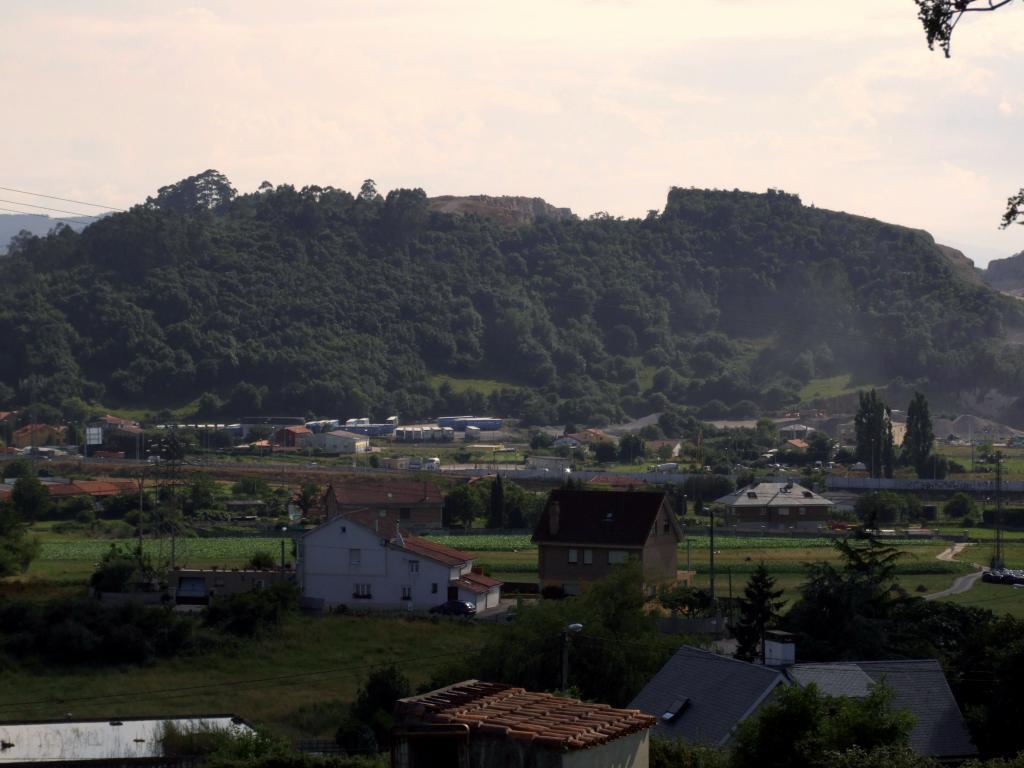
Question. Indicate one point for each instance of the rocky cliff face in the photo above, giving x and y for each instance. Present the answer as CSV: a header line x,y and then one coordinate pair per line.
x,y
512,211
1007,274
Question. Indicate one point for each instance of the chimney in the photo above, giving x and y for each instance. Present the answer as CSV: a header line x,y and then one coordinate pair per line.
x,y
553,515
779,649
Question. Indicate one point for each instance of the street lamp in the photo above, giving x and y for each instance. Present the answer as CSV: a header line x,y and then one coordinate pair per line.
x,y
571,629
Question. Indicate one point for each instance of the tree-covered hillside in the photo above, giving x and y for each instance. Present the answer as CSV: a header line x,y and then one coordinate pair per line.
x,y
315,300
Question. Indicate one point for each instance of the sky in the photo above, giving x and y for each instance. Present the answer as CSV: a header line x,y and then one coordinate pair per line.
x,y
597,105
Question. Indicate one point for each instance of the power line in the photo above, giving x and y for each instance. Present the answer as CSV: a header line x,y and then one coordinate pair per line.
x,y
43,215
62,199
48,208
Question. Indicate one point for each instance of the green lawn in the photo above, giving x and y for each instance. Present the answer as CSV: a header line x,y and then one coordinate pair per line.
x,y
1013,461
833,386
998,598
460,384
285,681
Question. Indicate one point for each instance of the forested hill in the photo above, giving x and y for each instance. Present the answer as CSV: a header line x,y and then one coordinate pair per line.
x,y
315,300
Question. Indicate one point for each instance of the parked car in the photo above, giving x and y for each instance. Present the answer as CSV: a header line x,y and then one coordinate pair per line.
x,y
455,608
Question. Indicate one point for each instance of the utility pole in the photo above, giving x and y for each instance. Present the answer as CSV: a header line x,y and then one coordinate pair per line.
x,y
997,555
712,555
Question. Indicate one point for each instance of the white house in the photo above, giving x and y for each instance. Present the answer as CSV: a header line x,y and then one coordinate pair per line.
x,y
362,560
339,441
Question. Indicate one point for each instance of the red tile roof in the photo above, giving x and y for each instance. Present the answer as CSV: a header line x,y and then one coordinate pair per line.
x,y
373,491
549,721
477,582
433,550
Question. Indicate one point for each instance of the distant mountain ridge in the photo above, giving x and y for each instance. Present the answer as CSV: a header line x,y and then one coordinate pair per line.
x,y
38,224
318,301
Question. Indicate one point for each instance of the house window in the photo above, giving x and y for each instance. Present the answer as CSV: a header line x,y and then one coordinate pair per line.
x,y
362,592
588,556
616,556
433,588
407,593
803,510
574,556
414,566
355,558
404,513
783,511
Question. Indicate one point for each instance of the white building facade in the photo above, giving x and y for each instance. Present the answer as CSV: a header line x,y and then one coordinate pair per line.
x,y
359,563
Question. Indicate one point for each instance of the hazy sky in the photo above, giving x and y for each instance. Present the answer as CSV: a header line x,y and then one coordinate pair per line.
x,y
592,105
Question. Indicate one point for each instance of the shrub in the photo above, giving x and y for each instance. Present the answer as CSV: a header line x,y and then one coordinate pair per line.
x,y
260,561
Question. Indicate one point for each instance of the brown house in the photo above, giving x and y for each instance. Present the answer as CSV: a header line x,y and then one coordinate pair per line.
x,y
582,534
292,437
413,504
38,434
776,506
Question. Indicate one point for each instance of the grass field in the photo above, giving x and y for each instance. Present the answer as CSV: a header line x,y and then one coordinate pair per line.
x,y
833,386
295,681
483,386
1013,461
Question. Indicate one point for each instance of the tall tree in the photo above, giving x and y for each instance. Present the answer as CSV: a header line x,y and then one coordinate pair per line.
x,y
496,509
917,444
873,429
759,608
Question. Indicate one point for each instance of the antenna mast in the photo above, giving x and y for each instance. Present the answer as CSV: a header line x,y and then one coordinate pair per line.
x,y
997,554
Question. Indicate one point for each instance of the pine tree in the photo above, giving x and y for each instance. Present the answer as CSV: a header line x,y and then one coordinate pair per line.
x,y
759,608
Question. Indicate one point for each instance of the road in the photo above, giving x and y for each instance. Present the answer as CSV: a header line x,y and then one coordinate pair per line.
x,y
962,583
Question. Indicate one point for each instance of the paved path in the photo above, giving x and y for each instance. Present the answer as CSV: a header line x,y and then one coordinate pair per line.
x,y
962,583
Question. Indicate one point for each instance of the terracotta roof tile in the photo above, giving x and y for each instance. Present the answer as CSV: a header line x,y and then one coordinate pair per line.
x,y
372,491
434,550
551,721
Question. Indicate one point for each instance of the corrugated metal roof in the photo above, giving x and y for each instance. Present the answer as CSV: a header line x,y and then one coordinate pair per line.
x,y
119,739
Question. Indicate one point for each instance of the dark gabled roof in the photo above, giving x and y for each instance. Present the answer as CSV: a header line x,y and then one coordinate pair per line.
x,y
613,518
719,691
920,686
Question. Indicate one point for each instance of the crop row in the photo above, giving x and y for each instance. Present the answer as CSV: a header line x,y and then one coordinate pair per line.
x,y
193,551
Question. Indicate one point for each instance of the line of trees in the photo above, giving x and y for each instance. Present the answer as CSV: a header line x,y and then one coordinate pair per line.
x,y
874,438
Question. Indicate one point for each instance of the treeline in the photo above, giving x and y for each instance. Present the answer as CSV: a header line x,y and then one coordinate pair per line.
x,y
318,301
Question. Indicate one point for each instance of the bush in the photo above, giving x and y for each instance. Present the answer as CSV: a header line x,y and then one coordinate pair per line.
x,y
961,505
260,561
251,613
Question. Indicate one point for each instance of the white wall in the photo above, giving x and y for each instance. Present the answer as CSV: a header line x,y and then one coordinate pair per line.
x,y
630,751
326,570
